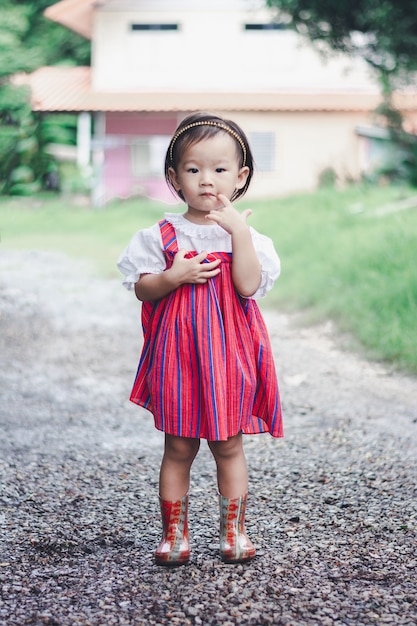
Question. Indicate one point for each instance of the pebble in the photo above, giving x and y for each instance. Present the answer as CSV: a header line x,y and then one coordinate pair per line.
x,y
332,509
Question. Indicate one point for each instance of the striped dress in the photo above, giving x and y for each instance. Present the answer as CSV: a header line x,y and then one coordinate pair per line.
x,y
206,368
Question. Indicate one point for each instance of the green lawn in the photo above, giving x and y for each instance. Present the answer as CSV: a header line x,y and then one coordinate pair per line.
x,y
340,257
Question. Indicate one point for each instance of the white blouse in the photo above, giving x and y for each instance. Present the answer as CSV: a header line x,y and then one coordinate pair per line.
x,y
144,254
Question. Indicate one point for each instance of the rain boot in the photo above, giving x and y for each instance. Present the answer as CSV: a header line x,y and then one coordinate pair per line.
x,y
174,548
235,545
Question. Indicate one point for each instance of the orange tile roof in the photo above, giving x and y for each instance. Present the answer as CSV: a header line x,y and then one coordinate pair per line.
x,y
74,14
70,89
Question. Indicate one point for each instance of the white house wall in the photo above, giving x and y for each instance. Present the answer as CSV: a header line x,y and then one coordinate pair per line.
x,y
211,50
306,143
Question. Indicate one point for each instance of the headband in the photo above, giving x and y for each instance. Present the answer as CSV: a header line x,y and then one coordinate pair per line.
x,y
209,123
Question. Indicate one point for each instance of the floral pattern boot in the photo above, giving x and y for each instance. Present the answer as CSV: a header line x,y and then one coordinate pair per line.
x,y
174,548
235,545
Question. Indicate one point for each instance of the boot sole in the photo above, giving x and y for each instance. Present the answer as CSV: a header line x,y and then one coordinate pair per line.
x,y
167,563
241,560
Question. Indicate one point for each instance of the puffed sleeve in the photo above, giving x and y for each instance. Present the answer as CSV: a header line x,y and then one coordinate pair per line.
x,y
143,255
269,260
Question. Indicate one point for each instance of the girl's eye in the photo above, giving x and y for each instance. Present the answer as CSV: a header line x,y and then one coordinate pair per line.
x,y
192,170
220,169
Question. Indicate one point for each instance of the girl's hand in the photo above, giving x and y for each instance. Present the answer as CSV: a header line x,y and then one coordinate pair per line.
x,y
228,217
246,268
193,270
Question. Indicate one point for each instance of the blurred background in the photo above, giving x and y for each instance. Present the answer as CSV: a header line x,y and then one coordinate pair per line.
x,y
323,95
90,93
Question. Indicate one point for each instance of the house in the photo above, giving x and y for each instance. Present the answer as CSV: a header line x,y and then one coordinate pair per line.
x,y
154,61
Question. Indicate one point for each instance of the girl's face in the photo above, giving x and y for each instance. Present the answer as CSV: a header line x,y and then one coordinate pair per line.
x,y
205,169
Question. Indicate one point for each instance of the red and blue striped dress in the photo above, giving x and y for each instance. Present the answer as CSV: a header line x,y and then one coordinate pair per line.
x,y
206,368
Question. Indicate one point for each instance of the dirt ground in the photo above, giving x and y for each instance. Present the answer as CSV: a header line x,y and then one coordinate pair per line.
x,y
333,506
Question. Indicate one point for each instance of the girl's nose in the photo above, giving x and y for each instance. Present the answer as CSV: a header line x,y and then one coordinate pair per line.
x,y
205,179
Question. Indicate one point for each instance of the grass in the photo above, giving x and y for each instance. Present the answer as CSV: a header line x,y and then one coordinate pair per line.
x,y
52,223
339,258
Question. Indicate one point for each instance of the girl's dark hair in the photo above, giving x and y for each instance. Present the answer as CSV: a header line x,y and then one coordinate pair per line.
x,y
202,126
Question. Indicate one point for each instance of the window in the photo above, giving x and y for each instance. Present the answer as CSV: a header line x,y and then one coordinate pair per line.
x,y
263,149
153,27
267,26
148,155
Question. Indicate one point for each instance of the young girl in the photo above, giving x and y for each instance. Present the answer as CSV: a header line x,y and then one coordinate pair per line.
x,y
206,369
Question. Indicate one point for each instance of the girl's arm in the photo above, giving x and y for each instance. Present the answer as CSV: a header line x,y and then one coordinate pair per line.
x,y
183,270
246,268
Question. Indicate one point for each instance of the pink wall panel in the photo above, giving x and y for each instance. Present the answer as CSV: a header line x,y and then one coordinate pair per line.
x,y
118,179
136,124
117,175
157,189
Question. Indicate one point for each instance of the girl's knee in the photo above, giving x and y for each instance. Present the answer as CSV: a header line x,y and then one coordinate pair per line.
x,y
227,449
181,448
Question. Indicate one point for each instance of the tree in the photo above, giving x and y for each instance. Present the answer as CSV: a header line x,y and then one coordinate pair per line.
x,y
383,32
42,42
28,41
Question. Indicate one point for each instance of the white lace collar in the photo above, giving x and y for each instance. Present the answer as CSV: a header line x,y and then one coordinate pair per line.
x,y
184,226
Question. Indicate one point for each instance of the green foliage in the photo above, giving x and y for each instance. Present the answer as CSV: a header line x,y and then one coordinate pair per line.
x,y
27,41
327,177
61,128
25,166
42,42
402,166
384,32
340,257
14,104
14,57
345,260
410,164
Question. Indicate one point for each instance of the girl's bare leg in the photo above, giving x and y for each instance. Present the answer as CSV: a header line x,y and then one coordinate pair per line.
x,y
232,471
174,476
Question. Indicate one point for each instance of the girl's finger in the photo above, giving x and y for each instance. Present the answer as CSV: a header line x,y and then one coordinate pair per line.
x,y
224,199
212,264
200,257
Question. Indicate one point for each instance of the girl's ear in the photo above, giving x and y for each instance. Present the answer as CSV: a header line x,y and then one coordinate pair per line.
x,y
174,179
242,177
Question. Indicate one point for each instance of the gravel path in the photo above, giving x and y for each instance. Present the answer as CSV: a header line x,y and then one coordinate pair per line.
x,y
332,507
